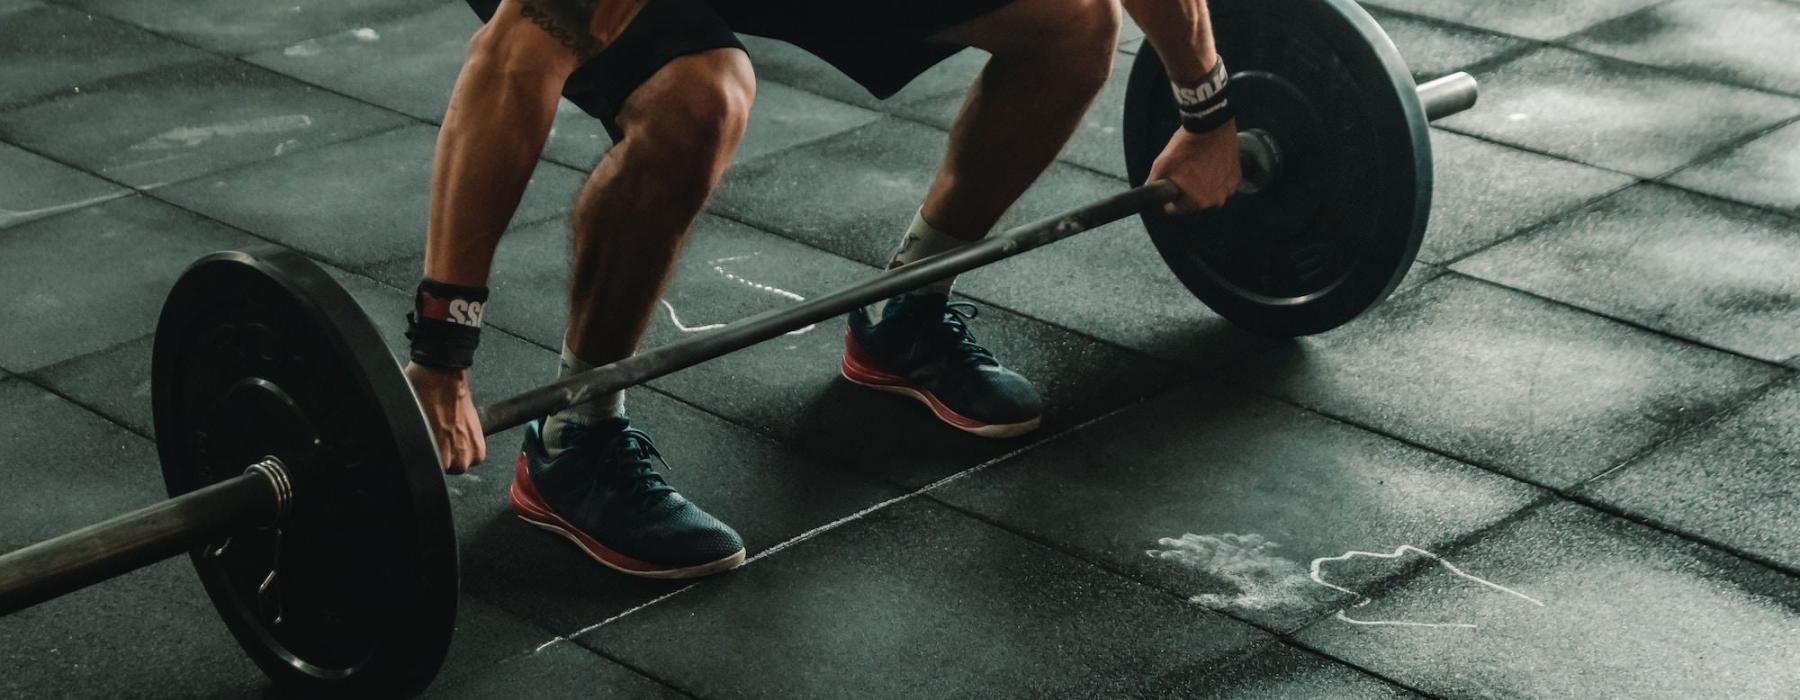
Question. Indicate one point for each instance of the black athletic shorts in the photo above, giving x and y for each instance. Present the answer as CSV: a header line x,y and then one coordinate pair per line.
x,y
882,44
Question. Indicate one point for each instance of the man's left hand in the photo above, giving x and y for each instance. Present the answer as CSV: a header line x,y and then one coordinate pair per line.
x,y
1204,166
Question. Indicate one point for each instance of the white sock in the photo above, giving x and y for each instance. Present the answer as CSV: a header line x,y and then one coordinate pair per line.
x,y
607,407
921,241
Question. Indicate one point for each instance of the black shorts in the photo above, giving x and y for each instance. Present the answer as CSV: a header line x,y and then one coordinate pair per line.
x,y
882,45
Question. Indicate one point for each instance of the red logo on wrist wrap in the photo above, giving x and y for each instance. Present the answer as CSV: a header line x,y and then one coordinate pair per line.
x,y
454,310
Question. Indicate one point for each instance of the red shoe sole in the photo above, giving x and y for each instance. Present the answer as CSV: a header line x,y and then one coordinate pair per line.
x,y
859,370
530,507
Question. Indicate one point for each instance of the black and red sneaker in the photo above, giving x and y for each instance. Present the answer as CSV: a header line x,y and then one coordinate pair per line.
x,y
603,494
919,345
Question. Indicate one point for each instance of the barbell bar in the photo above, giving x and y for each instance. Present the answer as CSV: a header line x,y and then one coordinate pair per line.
x,y
295,452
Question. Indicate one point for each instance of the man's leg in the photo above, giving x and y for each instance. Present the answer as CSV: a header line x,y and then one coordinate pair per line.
x,y
633,214
681,128
1050,57
585,473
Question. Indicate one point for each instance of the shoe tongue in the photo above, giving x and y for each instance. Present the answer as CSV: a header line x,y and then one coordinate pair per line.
x,y
926,302
918,308
603,431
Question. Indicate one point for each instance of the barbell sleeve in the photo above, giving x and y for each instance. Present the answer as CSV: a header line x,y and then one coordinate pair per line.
x,y
78,559
1448,95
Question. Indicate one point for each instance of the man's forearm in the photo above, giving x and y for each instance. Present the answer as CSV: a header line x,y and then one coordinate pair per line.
x,y
1181,33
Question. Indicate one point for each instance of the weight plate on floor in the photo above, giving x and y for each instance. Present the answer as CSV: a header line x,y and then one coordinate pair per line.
x,y
262,354
1338,228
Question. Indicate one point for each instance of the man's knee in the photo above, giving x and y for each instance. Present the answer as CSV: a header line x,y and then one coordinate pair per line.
x,y
687,120
1074,39
1091,35
516,47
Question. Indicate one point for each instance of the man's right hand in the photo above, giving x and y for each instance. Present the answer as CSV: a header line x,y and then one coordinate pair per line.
x,y
450,410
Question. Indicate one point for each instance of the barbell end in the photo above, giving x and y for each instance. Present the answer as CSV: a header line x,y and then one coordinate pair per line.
x,y
1448,95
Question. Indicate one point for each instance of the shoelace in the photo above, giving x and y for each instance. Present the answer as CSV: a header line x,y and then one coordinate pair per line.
x,y
956,331
632,449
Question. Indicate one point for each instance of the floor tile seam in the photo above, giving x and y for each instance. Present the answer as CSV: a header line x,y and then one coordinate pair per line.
x,y
1567,494
499,664
809,141
150,191
170,37
1737,408
502,661
1391,680
1445,23
1565,43
213,57
1154,588
1778,367
30,100
841,522
1553,218
1645,520
642,671
315,257
68,361
1720,152
84,406
1638,179
1303,648
1275,643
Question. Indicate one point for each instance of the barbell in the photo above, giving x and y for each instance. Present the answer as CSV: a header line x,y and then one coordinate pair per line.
x,y
305,484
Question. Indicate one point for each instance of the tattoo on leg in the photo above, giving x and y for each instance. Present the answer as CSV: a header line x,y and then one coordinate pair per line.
x,y
567,21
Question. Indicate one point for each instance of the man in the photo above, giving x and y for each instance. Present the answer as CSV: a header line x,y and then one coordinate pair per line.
x,y
673,85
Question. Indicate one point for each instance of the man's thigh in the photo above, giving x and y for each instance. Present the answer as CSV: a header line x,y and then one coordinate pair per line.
x,y
662,31
1024,25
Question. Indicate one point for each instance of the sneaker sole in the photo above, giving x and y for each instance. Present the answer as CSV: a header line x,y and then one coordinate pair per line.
x,y
530,509
863,375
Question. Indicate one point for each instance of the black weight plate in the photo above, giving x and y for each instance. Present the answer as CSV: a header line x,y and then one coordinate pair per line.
x,y
262,354
1338,228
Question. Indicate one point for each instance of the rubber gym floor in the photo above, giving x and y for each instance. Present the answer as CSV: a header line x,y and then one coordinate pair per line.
x,y
1560,462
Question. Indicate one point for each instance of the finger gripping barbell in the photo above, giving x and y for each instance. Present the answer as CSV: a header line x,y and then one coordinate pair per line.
x,y
305,484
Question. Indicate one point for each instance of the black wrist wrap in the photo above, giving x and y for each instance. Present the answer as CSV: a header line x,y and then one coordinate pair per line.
x,y
445,325
1205,105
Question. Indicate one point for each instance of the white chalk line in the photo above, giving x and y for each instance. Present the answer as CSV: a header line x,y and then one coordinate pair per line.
x,y
719,267
191,136
1317,577
827,527
683,327
10,216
